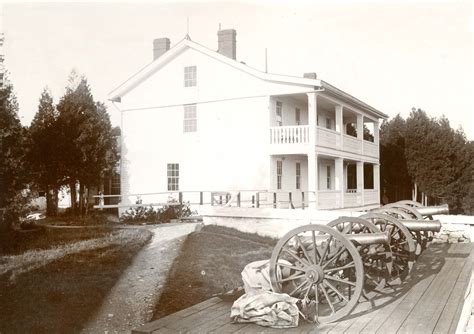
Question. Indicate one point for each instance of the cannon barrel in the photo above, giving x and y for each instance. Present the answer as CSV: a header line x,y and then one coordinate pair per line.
x,y
422,225
433,210
369,238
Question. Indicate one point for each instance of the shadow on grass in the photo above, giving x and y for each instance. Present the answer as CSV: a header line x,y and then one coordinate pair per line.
x,y
61,296
210,262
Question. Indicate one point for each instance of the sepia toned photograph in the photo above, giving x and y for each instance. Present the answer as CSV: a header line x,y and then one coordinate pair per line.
x,y
247,166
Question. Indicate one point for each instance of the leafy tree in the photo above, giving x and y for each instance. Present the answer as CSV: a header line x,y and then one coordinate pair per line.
x,y
43,152
12,177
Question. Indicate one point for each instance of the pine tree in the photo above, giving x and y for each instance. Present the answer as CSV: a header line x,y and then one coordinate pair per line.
x,y
43,151
87,142
12,176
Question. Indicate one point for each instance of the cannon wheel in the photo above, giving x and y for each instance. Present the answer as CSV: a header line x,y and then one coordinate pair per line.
x,y
409,209
377,259
325,269
410,203
399,214
418,237
401,243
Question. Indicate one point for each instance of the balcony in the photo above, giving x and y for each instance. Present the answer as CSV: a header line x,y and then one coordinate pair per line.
x,y
289,139
328,138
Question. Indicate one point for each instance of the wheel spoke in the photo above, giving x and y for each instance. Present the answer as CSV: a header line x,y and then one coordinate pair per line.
x,y
336,291
291,278
339,252
325,250
327,298
302,247
303,262
297,288
316,253
339,280
347,266
281,264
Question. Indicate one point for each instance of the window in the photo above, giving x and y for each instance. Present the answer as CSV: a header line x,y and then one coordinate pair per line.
x,y
279,107
279,173
328,123
190,118
190,76
298,175
328,177
297,116
173,177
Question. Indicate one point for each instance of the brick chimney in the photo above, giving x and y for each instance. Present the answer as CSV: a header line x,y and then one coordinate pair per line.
x,y
310,75
160,46
227,44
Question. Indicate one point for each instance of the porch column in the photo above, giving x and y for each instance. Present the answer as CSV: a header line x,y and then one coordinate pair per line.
x,y
339,173
339,125
360,181
312,178
376,135
377,180
360,127
312,117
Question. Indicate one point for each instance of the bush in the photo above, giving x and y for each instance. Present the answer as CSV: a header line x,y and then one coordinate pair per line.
x,y
171,210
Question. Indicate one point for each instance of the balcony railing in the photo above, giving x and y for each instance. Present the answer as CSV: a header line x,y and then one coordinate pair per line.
x,y
298,134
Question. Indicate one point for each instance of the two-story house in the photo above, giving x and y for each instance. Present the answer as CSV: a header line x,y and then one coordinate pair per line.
x,y
196,119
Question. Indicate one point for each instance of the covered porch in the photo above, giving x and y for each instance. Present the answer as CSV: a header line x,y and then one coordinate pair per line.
x,y
322,181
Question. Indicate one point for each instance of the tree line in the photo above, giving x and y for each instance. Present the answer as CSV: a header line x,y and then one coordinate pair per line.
x,y
424,159
69,145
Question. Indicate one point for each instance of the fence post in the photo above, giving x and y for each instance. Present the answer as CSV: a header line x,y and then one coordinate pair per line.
x,y
180,196
291,200
220,199
258,200
200,198
274,200
238,199
302,200
227,198
253,201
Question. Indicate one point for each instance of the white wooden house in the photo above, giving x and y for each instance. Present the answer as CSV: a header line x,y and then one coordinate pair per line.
x,y
196,119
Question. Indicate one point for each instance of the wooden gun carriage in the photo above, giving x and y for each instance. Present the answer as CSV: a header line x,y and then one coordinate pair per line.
x,y
330,267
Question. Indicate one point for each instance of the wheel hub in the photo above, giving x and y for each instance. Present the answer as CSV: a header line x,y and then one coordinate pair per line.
x,y
315,274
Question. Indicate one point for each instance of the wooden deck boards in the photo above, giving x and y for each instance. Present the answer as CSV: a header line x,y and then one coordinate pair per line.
x,y
429,301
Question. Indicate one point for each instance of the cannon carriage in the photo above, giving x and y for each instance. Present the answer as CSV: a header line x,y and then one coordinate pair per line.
x,y
330,267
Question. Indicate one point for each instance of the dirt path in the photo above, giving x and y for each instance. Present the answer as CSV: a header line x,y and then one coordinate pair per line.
x,y
131,302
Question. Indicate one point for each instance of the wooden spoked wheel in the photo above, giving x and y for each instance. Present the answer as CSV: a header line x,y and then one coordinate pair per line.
x,y
397,213
319,265
406,208
376,258
402,245
410,203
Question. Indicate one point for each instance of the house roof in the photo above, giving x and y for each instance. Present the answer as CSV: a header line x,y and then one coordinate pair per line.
x,y
186,42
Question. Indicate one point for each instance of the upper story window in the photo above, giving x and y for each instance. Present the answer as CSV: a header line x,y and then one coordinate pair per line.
x,y
278,112
190,118
173,177
190,76
297,116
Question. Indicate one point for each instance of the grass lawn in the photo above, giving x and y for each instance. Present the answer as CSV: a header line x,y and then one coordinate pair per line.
x,y
54,281
210,262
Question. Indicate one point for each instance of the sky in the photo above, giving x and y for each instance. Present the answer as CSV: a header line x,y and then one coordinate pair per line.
x,y
393,55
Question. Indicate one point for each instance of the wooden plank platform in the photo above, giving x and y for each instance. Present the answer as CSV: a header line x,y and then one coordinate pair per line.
x,y
429,301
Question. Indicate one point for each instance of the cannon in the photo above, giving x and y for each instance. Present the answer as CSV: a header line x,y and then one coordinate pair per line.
x,y
331,266
412,214
324,266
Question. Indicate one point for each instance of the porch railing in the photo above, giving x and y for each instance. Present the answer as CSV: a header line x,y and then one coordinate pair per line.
x,y
298,134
